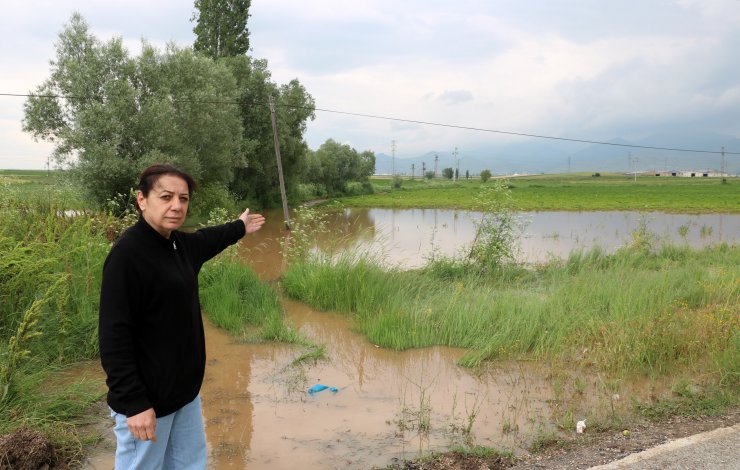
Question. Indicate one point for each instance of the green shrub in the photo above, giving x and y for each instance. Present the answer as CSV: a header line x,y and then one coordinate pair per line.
x,y
211,196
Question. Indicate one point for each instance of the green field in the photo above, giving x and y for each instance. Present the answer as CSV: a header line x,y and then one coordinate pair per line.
x,y
572,192
42,186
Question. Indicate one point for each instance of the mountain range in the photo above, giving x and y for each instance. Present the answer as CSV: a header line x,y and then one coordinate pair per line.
x,y
562,156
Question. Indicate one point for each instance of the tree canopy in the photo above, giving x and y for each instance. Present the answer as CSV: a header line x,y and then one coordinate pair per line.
x,y
333,165
111,115
258,181
221,27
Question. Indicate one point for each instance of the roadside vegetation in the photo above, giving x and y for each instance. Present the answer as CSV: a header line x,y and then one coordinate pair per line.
x,y
51,262
565,192
631,312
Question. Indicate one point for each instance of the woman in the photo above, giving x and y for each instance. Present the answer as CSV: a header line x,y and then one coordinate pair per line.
x,y
152,345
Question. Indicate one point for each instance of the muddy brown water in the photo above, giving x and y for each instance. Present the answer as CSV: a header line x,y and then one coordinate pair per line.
x,y
389,405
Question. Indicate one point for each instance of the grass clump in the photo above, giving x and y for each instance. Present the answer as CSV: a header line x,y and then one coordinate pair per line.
x,y
691,401
461,457
236,300
629,312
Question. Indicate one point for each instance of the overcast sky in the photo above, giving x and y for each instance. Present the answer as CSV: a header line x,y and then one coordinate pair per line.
x,y
585,69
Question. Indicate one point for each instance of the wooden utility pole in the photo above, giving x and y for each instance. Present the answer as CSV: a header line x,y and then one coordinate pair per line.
x,y
284,198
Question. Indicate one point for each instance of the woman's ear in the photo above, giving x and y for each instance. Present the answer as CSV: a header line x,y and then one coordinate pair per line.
x,y
140,201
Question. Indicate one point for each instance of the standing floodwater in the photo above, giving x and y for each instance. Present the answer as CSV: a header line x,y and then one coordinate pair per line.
x,y
396,404
408,237
388,405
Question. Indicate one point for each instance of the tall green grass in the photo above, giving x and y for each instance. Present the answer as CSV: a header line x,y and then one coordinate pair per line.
x,y
634,311
50,272
236,300
50,265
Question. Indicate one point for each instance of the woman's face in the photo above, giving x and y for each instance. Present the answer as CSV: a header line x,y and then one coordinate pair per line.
x,y
166,205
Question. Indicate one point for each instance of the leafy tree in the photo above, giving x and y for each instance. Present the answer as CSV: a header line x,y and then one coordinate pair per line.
x,y
111,115
429,175
221,27
222,34
448,173
258,181
334,165
485,175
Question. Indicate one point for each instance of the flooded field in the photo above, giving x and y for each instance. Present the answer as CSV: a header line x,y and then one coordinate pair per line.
x,y
392,405
408,237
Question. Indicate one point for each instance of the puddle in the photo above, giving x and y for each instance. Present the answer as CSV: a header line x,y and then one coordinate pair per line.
x,y
259,415
389,405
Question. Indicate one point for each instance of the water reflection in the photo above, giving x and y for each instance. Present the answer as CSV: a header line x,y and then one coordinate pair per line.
x,y
409,237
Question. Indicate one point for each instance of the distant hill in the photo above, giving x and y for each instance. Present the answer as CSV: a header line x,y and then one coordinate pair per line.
x,y
551,156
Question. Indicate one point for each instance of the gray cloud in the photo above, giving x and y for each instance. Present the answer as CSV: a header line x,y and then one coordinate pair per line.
x,y
576,68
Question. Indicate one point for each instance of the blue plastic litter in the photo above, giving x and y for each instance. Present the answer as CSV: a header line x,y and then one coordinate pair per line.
x,y
319,387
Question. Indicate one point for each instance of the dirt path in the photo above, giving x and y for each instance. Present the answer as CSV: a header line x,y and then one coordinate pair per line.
x,y
583,451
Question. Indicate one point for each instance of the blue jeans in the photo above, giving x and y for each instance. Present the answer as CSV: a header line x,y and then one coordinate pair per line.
x,y
181,442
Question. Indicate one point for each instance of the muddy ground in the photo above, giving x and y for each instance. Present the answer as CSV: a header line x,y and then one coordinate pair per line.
x,y
581,451
27,449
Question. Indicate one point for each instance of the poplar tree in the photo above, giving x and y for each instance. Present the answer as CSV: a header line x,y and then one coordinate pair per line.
x,y
221,27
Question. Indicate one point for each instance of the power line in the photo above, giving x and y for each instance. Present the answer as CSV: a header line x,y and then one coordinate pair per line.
x,y
523,134
410,121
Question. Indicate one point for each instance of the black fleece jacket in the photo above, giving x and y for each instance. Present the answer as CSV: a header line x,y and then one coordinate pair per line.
x,y
152,345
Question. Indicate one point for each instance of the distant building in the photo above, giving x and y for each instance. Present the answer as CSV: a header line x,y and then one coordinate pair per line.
x,y
692,173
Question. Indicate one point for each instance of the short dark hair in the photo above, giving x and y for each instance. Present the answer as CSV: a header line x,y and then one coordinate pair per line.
x,y
152,173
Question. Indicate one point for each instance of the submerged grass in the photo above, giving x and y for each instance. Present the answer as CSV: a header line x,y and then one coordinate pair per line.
x,y
634,311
